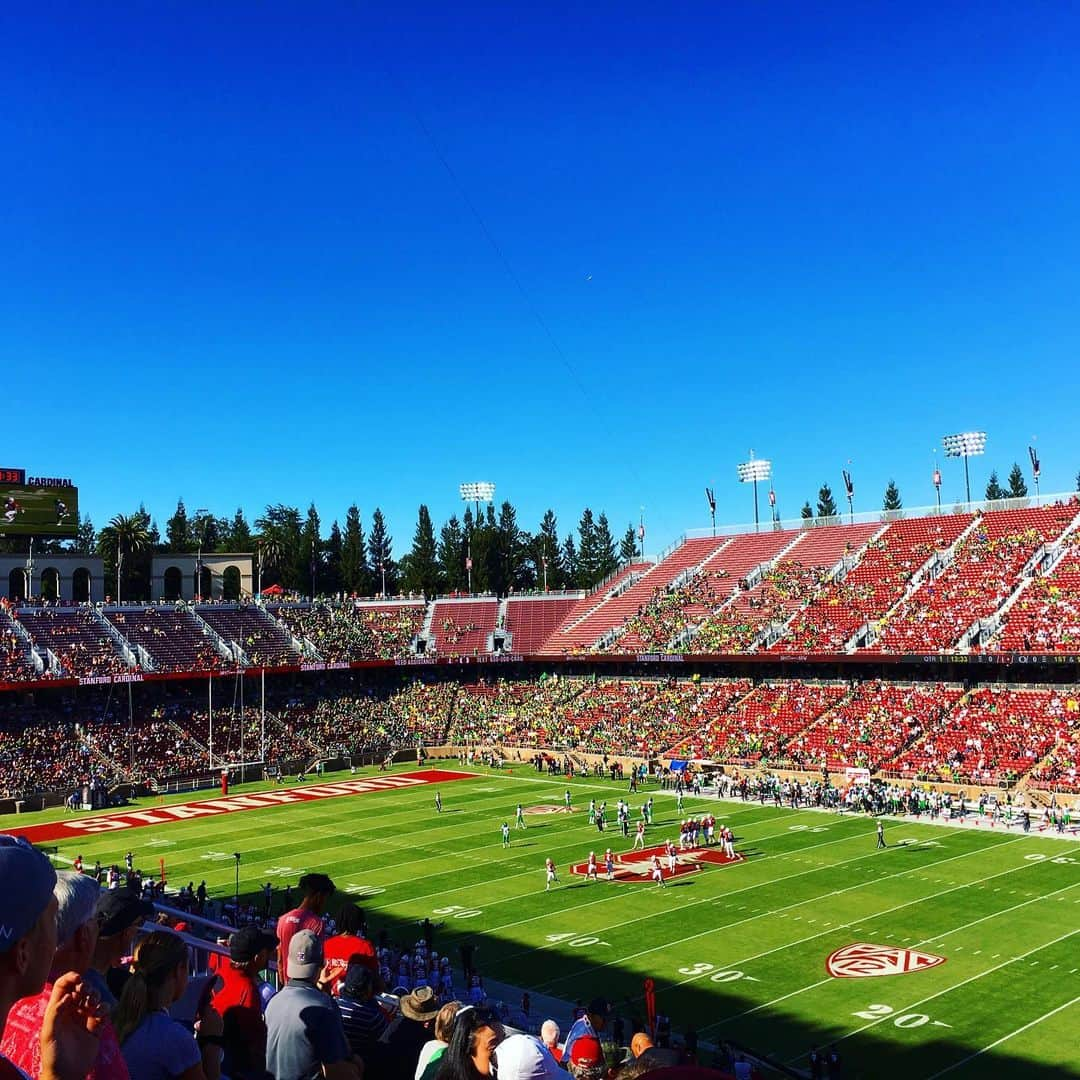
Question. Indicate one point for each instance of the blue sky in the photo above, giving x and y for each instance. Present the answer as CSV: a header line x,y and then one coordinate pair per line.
x,y
295,253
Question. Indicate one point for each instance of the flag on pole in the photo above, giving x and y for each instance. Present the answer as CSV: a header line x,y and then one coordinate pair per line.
x,y
650,1005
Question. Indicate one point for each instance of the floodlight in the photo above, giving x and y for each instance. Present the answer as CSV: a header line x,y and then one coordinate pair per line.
x,y
965,445
750,472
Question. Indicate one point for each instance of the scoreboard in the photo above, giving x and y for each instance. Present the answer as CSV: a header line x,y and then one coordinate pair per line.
x,y
37,505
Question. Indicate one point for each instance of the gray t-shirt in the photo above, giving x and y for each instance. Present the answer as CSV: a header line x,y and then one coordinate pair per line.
x,y
159,1049
303,1033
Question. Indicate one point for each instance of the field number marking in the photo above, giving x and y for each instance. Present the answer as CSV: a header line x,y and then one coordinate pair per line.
x,y
808,828
216,856
913,841
364,890
715,976
457,911
907,1020
1061,860
281,871
576,942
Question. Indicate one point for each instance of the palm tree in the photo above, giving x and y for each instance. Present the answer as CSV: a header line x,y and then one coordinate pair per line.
x,y
268,552
125,535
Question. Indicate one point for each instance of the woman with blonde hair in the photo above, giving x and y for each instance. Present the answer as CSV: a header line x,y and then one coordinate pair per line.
x,y
155,1046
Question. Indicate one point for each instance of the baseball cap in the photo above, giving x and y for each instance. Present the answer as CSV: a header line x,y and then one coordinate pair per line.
x,y
359,980
21,907
305,955
586,1050
248,942
599,1007
521,1057
118,908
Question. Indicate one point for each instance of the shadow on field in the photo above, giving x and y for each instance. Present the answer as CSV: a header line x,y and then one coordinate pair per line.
x,y
764,1032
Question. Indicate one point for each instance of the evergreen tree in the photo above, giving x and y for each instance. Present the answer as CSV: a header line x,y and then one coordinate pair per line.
x,y
354,569
1017,484
994,490
381,555
546,554
826,504
332,570
807,511
85,541
178,531
588,552
421,573
127,541
892,499
607,557
628,548
451,555
570,565
311,554
239,536
507,568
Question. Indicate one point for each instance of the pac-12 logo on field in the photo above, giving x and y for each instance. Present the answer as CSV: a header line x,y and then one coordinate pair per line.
x,y
546,808
864,961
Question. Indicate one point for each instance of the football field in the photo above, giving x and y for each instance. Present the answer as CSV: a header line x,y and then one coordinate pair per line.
x,y
952,952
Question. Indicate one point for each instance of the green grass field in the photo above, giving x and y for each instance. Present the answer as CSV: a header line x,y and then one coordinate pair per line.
x,y
737,951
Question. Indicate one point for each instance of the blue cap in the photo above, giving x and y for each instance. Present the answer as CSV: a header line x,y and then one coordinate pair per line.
x,y
21,907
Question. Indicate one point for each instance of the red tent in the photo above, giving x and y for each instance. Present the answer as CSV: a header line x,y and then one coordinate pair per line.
x,y
273,590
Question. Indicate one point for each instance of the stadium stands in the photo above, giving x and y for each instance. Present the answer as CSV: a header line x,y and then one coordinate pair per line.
x,y
984,572
832,617
532,620
872,724
994,734
77,639
174,640
463,627
355,630
15,662
262,640
1046,617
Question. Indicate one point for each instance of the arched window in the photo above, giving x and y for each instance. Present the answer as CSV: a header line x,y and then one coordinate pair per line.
x,y
230,583
17,584
50,583
80,586
206,584
173,582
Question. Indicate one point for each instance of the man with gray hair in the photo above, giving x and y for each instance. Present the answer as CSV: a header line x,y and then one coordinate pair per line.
x,y
76,936
549,1036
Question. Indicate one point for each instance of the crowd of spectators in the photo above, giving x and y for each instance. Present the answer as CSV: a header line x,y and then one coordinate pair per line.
x,y
983,573
77,639
346,632
1046,618
171,636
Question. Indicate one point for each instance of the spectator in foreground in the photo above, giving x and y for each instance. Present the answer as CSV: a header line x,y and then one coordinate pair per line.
x,y
477,1032
418,1011
361,1015
549,1035
431,1053
70,1026
239,1002
120,913
316,890
305,1039
592,1023
76,934
521,1057
586,1060
347,945
155,1046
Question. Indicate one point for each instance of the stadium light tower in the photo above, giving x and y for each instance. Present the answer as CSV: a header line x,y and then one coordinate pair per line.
x,y
750,472
1036,469
477,491
200,513
965,445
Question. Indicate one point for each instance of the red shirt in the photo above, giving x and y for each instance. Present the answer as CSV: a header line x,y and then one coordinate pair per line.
x,y
340,949
288,924
240,1006
22,1041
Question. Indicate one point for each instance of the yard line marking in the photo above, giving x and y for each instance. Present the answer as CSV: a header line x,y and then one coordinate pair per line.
x,y
776,911
970,979
925,941
1005,1038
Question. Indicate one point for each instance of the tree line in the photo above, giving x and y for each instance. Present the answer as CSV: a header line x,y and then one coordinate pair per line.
x,y
292,549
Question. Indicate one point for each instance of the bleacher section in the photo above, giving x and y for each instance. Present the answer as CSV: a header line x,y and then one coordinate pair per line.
x,y
15,662
463,627
532,620
355,631
980,578
263,641
81,644
1046,618
868,590
174,640
615,610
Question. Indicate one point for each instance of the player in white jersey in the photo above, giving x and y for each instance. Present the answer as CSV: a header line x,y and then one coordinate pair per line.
x,y
438,803
520,824
591,868
729,842
549,867
671,857
609,864
506,834
639,836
